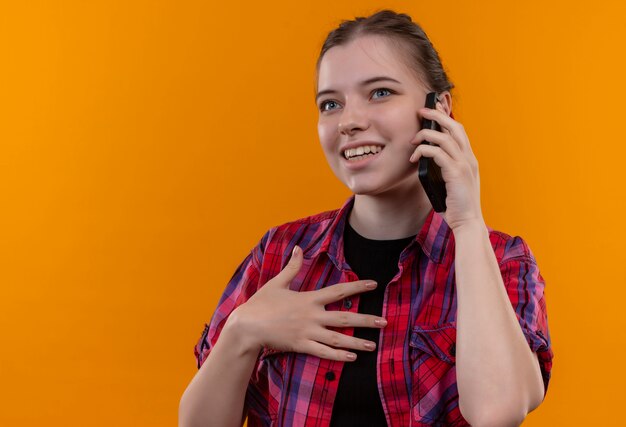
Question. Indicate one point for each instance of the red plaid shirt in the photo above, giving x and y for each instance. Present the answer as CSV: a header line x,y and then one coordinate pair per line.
x,y
416,351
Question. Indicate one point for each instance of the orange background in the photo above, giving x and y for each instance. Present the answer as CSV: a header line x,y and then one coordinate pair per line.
x,y
146,146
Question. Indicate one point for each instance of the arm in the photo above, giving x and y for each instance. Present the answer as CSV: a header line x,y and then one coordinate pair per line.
x,y
498,375
276,317
224,365
218,389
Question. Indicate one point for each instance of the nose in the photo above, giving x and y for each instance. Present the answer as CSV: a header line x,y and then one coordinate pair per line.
x,y
353,119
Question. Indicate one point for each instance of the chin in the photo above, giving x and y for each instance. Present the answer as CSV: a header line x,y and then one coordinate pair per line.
x,y
401,185
363,186
369,190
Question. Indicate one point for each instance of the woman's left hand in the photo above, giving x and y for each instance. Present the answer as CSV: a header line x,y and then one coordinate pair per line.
x,y
459,167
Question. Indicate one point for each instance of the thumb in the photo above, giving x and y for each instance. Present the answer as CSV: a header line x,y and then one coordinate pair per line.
x,y
292,268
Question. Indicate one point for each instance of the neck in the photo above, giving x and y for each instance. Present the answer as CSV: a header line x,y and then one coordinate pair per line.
x,y
393,215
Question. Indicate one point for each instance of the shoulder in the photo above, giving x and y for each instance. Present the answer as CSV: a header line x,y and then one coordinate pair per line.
x,y
310,233
507,247
318,220
302,229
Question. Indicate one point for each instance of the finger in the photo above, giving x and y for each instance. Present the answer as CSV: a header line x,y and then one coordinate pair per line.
x,y
441,158
324,352
342,290
439,107
342,341
289,272
446,122
346,319
445,141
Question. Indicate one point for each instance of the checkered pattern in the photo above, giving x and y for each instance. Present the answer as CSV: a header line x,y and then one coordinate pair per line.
x,y
416,351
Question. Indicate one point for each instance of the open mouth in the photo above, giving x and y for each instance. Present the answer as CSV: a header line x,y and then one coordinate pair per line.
x,y
359,153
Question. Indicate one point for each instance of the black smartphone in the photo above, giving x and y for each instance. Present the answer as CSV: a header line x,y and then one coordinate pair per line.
x,y
429,172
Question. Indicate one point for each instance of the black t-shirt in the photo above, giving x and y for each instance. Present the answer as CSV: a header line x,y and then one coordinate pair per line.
x,y
358,402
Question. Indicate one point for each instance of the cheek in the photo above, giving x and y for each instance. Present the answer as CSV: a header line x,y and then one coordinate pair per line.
x,y
410,121
410,128
401,125
326,135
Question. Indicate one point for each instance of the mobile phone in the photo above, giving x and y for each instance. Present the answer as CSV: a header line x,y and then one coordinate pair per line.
x,y
429,171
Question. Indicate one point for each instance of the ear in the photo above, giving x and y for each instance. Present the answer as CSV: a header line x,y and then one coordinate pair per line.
x,y
446,101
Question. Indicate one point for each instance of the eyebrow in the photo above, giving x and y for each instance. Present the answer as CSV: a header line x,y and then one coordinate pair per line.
x,y
363,83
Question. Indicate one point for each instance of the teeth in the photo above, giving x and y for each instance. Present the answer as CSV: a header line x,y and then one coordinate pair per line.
x,y
359,151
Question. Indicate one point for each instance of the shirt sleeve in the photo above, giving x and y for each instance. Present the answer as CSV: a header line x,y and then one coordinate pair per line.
x,y
243,284
525,287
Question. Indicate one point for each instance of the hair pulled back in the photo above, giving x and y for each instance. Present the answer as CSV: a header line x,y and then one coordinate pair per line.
x,y
420,54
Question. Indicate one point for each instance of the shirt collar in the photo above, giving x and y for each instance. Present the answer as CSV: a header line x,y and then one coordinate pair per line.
x,y
433,237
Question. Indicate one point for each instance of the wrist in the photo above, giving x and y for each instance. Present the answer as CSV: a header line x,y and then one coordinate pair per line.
x,y
475,227
239,333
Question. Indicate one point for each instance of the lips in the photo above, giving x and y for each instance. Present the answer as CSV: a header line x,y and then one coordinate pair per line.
x,y
360,161
364,150
358,148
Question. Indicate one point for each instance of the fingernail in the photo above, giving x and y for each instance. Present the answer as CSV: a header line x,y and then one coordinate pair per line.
x,y
369,345
351,356
370,285
380,322
296,250
412,157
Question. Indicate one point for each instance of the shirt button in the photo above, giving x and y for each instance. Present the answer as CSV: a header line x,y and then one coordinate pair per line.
x,y
330,376
347,303
453,349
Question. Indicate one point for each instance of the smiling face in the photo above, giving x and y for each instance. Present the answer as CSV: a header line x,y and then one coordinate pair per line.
x,y
368,102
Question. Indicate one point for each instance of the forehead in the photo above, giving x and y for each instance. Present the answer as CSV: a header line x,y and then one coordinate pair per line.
x,y
360,59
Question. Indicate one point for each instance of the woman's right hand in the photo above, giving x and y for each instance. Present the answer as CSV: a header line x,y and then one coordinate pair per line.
x,y
281,319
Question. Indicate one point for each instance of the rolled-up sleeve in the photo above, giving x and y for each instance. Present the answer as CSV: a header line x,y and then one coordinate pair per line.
x,y
526,290
243,284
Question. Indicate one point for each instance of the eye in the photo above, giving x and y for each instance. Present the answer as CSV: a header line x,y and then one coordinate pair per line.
x,y
328,105
382,92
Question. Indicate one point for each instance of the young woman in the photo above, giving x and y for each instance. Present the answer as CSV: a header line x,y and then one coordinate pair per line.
x,y
383,312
